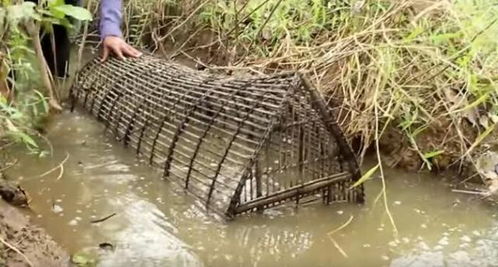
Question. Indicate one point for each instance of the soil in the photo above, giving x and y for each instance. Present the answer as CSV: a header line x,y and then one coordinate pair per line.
x,y
13,193
32,241
400,153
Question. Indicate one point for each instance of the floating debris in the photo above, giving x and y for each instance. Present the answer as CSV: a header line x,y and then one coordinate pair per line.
x,y
57,209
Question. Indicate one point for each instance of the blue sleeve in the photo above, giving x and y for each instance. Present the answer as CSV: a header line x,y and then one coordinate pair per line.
x,y
110,18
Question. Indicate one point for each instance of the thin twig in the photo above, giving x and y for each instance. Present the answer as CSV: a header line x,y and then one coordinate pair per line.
x,y
47,141
260,30
341,227
103,219
17,251
468,178
6,145
336,245
60,165
343,253
183,22
10,166
61,172
470,192
194,59
383,178
235,27
177,51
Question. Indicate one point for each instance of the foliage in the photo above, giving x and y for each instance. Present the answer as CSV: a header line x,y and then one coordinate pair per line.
x,y
21,104
17,124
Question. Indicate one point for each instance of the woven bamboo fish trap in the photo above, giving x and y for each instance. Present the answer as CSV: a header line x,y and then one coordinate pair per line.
x,y
238,144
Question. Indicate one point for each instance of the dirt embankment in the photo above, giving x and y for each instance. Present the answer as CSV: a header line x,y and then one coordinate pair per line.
x,y
24,244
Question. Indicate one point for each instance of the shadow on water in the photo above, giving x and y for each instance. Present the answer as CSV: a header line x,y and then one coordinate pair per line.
x,y
157,224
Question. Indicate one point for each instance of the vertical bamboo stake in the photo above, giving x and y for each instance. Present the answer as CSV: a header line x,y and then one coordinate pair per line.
x,y
4,87
83,39
47,79
257,175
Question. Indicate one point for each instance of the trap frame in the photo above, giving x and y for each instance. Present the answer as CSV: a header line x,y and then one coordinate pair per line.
x,y
238,144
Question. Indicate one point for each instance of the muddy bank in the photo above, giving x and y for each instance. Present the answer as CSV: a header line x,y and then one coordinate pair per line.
x,y
36,246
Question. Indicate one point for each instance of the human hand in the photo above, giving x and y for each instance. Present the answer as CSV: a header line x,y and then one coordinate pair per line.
x,y
119,47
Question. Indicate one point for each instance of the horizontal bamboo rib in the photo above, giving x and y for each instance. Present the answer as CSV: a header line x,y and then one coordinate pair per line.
x,y
293,191
178,109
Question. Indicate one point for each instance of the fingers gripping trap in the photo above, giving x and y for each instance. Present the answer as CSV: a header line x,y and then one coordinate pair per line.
x,y
237,144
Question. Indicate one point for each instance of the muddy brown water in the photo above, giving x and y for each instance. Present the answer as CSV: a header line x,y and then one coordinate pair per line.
x,y
158,224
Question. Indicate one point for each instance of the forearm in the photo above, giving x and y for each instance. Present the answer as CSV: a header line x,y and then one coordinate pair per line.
x,y
110,18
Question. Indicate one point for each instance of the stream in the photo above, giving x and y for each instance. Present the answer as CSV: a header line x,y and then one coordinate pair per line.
x,y
157,224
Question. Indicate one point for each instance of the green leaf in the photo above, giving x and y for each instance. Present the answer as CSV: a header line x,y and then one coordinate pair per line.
x,y
53,12
43,101
25,10
365,176
26,139
78,13
479,139
10,126
54,3
83,259
414,34
16,133
432,154
476,103
445,37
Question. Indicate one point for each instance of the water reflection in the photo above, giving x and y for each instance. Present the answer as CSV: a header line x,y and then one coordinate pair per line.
x,y
145,237
157,224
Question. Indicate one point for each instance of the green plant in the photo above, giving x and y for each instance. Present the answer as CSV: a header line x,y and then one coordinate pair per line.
x,y
21,24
